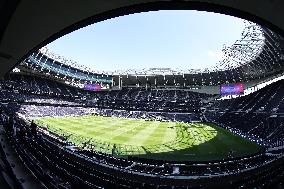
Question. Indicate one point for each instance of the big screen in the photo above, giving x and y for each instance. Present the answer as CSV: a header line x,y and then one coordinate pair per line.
x,y
232,89
92,87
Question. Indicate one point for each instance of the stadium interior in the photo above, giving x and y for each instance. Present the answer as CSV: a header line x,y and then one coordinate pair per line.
x,y
65,126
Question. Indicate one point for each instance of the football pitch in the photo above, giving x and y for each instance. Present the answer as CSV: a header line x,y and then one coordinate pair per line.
x,y
171,141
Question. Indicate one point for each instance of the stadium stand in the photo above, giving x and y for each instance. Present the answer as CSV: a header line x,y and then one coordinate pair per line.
x,y
43,152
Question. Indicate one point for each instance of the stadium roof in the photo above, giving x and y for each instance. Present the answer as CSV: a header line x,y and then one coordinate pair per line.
x,y
28,25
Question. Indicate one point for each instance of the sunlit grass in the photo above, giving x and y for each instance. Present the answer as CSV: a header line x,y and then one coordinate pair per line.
x,y
149,139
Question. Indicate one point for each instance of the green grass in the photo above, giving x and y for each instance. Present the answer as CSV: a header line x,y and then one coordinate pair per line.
x,y
150,139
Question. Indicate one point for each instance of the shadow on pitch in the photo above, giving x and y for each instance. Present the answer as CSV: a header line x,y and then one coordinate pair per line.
x,y
215,149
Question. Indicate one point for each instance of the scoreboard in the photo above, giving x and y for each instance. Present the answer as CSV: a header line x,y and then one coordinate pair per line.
x,y
232,89
93,87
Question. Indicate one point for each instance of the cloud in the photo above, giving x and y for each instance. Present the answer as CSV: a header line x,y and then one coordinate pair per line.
x,y
215,55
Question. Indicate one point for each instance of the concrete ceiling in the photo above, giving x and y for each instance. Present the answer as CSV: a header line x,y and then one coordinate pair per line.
x,y
30,24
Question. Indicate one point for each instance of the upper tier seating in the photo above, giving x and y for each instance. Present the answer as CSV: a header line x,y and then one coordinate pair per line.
x,y
36,90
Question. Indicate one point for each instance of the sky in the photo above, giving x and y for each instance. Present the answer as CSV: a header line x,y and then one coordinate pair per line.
x,y
161,39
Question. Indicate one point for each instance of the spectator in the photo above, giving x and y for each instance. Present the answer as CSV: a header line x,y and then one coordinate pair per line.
x,y
10,124
33,128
